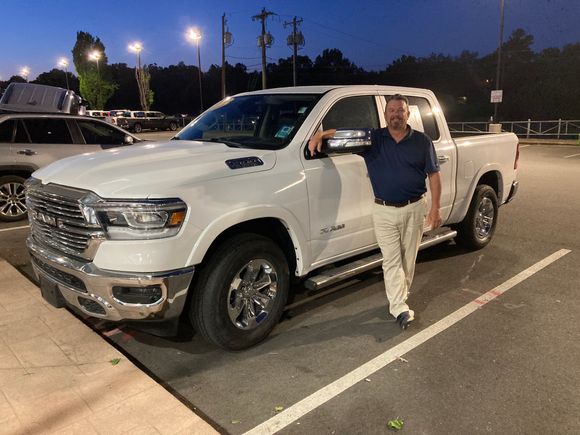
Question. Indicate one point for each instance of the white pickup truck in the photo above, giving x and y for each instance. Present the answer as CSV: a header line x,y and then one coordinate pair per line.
x,y
216,222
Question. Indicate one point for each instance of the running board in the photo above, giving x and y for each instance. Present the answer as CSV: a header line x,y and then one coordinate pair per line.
x,y
337,274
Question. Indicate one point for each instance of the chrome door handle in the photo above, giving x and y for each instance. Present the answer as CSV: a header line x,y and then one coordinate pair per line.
x,y
27,152
443,159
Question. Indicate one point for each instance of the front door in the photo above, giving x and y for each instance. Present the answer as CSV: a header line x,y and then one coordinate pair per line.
x,y
339,191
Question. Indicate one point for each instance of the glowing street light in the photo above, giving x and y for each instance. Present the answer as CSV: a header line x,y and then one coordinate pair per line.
x,y
194,35
24,72
136,47
63,63
95,55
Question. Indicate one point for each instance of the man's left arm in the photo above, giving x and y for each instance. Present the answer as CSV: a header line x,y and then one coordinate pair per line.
x,y
434,216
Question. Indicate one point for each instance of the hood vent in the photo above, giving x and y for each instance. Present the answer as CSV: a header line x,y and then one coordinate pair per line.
x,y
244,162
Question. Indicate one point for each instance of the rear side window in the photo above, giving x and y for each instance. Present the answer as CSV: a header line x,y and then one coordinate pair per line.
x,y
100,134
427,118
6,130
352,112
48,131
21,134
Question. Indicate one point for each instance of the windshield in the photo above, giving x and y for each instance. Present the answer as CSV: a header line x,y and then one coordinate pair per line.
x,y
252,121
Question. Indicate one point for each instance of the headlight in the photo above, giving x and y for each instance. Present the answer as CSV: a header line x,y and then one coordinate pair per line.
x,y
142,220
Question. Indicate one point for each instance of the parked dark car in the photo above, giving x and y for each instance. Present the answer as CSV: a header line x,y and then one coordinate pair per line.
x,y
141,120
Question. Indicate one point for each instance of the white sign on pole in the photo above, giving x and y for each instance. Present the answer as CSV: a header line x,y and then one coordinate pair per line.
x,y
496,96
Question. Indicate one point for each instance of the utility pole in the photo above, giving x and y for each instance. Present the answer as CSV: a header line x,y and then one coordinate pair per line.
x,y
265,39
294,40
226,42
497,75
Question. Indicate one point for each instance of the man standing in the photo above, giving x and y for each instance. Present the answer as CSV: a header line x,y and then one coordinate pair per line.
x,y
398,162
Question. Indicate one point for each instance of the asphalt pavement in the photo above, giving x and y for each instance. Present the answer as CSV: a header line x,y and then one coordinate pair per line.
x,y
338,363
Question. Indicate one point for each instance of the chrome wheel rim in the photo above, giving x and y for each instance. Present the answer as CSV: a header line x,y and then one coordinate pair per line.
x,y
484,218
12,200
252,293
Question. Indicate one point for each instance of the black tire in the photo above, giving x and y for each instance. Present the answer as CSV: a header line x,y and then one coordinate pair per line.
x,y
137,128
477,228
172,126
217,296
12,200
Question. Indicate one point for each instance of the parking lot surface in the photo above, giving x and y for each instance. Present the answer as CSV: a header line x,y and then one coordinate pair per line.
x,y
338,363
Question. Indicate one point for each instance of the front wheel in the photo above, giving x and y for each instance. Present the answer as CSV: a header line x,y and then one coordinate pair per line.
x,y
172,126
241,291
137,128
477,228
12,199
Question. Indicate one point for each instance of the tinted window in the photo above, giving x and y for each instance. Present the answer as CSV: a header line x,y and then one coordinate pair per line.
x,y
6,130
48,131
429,122
21,134
101,134
352,112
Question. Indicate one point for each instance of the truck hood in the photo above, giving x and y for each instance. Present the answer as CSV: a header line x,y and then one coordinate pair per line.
x,y
154,169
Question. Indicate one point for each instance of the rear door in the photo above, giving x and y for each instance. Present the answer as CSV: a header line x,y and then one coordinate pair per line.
x,y
426,117
41,141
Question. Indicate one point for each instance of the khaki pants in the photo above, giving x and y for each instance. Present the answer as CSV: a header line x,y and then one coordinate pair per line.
x,y
399,232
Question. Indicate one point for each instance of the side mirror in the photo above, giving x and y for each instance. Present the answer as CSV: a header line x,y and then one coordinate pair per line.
x,y
128,140
348,141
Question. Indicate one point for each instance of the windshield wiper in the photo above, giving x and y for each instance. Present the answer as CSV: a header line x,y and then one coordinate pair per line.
x,y
229,143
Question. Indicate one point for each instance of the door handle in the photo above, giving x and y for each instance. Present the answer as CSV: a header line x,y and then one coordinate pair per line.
x,y
27,152
443,159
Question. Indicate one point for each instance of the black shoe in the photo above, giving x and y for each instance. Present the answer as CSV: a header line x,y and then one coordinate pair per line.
x,y
404,319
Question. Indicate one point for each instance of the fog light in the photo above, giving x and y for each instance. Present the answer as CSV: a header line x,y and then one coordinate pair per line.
x,y
138,295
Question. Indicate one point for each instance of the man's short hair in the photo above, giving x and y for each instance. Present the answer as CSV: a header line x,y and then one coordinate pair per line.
x,y
398,97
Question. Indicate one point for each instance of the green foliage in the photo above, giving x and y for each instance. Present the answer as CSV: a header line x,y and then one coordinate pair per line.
x,y
94,76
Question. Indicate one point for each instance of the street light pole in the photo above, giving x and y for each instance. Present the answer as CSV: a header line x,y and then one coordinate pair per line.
x,y
497,74
96,55
63,63
195,36
24,71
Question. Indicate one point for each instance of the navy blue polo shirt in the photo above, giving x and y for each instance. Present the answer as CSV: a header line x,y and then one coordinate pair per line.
x,y
398,170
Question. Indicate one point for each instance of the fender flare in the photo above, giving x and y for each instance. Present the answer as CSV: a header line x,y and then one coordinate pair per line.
x,y
239,216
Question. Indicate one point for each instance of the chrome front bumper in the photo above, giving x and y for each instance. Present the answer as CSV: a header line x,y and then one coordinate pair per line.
x,y
90,289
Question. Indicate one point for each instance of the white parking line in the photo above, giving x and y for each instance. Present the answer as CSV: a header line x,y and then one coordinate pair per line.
x,y
323,395
14,228
524,146
572,155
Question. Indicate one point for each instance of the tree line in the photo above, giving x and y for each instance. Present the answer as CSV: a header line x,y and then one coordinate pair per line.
x,y
537,85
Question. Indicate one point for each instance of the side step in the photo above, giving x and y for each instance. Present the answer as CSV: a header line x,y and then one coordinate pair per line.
x,y
332,276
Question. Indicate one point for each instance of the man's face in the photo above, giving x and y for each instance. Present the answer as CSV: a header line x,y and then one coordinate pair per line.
x,y
397,114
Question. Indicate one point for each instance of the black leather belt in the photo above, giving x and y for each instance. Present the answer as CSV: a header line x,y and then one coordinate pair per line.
x,y
397,204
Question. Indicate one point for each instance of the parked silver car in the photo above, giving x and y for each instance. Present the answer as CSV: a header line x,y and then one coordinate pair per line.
x,y
29,141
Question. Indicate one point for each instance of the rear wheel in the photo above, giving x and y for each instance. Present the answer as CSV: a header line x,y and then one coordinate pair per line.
x,y
12,200
172,126
477,228
137,128
240,293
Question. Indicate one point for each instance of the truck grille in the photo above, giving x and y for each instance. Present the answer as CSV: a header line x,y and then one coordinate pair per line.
x,y
56,220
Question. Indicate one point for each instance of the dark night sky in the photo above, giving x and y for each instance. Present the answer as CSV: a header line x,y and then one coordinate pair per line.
x,y
371,33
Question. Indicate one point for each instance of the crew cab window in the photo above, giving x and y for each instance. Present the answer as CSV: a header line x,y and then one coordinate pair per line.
x,y
6,130
48,130
352,112
429,122
101,134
